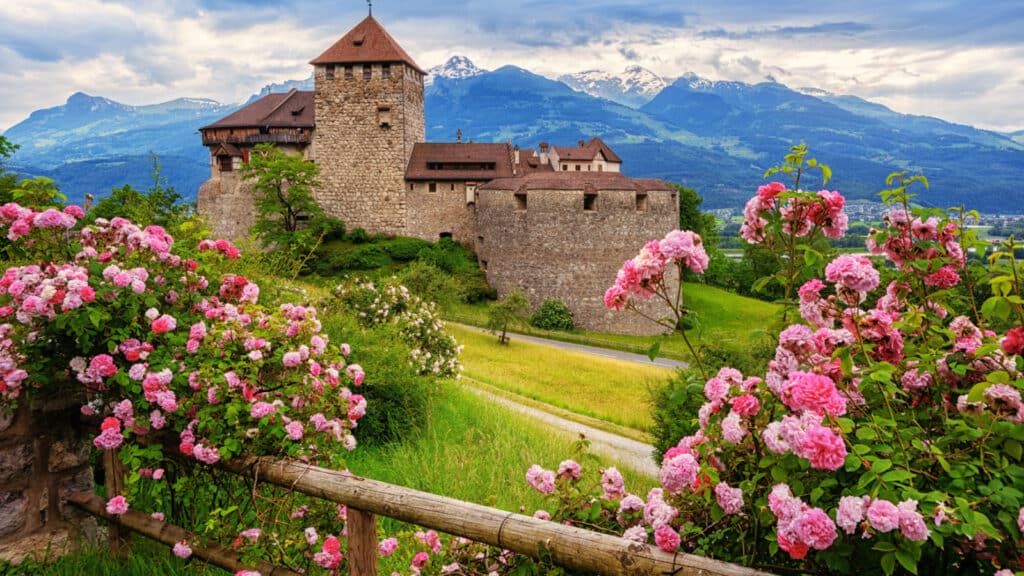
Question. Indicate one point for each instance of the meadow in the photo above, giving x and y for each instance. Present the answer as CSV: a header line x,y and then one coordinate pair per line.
x,y
602,388
716,316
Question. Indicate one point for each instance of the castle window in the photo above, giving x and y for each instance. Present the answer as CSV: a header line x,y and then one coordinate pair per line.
x,y
480,240
385,71
577,167
384,115
453,187
600,167
367,72
444,235
641,202
520,201
565,167
432,187
483,265
329,72
590,202
348,71
411,186
225,162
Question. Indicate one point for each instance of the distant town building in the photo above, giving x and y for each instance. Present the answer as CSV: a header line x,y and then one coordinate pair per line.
x,y
555,222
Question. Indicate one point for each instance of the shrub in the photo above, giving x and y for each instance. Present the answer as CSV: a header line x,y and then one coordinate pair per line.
x,y
359,236
552,315
433,351
431,283
398,394
885,434
332,229
473,287
406,249
367,257
450,256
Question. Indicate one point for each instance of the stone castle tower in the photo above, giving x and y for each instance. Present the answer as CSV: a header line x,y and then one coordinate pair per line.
x,y
556,222
369,111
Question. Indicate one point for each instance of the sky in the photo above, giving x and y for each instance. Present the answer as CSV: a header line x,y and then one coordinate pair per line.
x,y
962,61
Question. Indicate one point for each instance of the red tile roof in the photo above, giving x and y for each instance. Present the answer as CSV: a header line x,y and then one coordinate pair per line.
x,y
587,152
589,181
367,42
295,109
446,159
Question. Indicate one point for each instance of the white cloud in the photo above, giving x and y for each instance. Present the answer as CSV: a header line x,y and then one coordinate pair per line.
x,y
155,50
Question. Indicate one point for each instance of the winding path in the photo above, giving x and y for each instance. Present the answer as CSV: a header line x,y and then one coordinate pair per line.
x,y
632,453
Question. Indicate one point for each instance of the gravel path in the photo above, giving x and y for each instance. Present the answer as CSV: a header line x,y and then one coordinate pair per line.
x,y
618,355
625,451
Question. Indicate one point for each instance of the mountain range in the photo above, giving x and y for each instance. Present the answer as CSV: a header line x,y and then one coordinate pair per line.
x,y
716,136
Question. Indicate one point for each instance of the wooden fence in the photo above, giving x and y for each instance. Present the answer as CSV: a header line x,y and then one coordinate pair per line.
x,y
567,546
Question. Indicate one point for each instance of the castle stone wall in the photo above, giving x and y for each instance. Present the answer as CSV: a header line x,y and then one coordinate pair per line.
x,y
556,249
226,205
443,211
362,162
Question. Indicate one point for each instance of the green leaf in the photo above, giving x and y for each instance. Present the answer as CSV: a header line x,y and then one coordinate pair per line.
x,y
897,475
884,546
866,434
1013,449
880,466
888,563
845,425
907,560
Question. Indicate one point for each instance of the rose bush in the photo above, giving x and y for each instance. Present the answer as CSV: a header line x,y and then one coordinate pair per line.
x,y
154,341
886,434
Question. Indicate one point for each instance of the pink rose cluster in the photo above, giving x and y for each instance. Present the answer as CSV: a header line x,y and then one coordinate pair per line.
x,y
330,555
37,294
21,220
220,245
542,480
800,527
907,240
801,213
104,238
881,516
644,275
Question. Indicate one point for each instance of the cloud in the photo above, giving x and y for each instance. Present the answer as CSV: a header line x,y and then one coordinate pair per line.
x,y
964,62
829,28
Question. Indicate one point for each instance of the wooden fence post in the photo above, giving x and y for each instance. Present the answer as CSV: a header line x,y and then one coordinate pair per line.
x,y
362,543
113,472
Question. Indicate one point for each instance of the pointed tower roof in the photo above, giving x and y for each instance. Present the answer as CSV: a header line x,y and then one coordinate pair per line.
x,y
367,42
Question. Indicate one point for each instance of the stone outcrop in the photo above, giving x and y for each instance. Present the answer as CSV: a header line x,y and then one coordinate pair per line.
x,y
44,458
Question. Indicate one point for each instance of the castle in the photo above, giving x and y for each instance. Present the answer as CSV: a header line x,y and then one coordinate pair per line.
x,y
556,222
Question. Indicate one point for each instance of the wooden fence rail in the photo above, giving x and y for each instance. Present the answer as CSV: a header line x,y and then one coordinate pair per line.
x,y
170,535
567,546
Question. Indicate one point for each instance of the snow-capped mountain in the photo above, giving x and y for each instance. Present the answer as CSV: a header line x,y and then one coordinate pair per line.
x,y
456,68
305,84
633,87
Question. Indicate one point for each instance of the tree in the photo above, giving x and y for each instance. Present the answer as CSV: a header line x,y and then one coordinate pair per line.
x,y
284,194
513,308
159,205
8,180
691,218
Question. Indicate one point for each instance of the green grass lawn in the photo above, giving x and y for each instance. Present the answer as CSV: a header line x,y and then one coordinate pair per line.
x,y
477,451
603,388
717,315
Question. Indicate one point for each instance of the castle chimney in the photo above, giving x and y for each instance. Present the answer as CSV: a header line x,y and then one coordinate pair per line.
x,y
515,164
580,143
543,153
458,136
